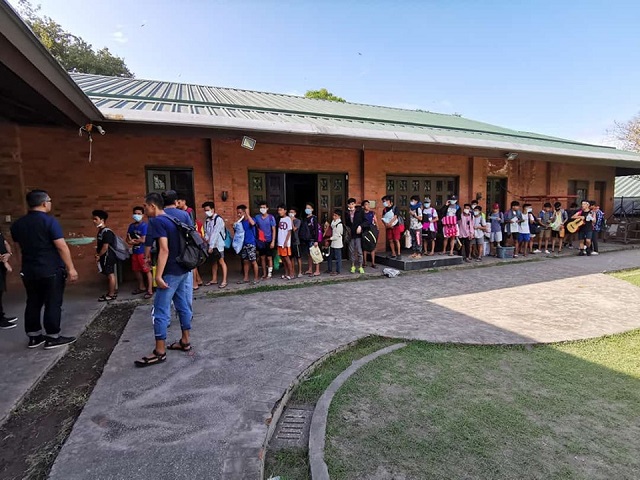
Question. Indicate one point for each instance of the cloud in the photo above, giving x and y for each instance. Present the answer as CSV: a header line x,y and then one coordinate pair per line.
x,y
119,37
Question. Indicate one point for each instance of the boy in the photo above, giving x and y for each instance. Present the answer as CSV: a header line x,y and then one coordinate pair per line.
x,y
598,225
512,221
544,220
390,218
370,219
354,221
450,216
534,228
569,238
337,230
479,227
248,252
585,232
310,235
524,235
415,225
5,267
285,229
181,204
105,257
136,237
495,237
467,232
560,217
214,234
296,256
266,239
429,227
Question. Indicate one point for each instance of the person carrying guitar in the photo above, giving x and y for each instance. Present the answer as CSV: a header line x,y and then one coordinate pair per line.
x,y
585,232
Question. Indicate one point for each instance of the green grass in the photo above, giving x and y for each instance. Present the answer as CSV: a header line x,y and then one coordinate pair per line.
x,y
292,464
567,410
632,276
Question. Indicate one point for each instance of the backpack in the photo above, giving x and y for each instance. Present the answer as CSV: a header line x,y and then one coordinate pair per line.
x,y
304,233
226,238
194,251
534,228
370,238
119,247
238,238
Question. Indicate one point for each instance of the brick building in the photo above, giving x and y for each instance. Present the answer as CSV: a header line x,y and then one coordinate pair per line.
x,y
187,137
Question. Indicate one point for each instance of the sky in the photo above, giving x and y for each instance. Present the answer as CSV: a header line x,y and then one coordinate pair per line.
x,y
564,68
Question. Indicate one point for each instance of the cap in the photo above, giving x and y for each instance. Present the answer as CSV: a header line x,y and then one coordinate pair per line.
x,y
453,197
496,205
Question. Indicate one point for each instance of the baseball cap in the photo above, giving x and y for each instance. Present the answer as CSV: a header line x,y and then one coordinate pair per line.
x,y
496,205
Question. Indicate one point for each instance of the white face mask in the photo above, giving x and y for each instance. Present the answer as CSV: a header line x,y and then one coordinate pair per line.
x,y
292,215
477,214
413,203
385,204
100,225
466,211
137,217
263,210
427,204
209,213
529,210
453,202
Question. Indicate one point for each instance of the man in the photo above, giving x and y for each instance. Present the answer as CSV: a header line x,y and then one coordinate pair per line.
x,y
174,283
585,232
354,220
46,264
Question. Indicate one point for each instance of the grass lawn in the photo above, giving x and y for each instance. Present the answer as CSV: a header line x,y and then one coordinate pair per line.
x,y
632,276
559,411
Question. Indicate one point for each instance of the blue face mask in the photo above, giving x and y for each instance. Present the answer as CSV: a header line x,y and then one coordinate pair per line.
x,y
427,204
137,217
308,211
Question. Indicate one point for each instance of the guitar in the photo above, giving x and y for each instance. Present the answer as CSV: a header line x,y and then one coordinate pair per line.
x,y
574,225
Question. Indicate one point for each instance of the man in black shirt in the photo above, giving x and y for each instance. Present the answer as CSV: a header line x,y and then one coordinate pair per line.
x,y
106,258
586,229
46,264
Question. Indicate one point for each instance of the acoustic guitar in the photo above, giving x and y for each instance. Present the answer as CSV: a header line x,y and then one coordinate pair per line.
x,y
574,225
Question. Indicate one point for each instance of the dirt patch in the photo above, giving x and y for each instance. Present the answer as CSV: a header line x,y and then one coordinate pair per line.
x,y
35,431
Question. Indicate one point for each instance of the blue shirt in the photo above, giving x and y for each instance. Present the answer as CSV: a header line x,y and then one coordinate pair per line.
x,y
35,233
137,231
249,233
163,227
266,224
181,215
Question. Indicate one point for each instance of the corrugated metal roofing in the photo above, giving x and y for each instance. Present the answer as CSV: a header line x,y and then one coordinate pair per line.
x,y
182,104
628,186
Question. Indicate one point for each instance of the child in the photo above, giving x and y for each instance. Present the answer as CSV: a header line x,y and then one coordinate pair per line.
x,y
544,233
136,237
598,225
370,219
296,256
215,233
512,221
105,257
394,227
310,235
479,228
524,235
560,217
467,232
429,226
337,230
495,237
181,204
266,239
450,216
354,223
534,228
5,267
248,252
415,225
285,228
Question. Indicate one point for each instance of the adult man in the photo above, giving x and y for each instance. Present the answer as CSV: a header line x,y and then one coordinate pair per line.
x,y
46,264
354,220
174,283
585,231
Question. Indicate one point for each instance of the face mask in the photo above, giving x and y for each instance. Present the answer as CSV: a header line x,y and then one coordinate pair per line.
x,y
557,209
100,225
427,204
473,206
209,213
413,203
385,204
137,217
529,210
308,211
453,202
292,215
263,210
351,209
466,211
476,213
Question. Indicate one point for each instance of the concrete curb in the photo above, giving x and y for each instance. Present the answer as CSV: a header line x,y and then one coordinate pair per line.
x,y
319,470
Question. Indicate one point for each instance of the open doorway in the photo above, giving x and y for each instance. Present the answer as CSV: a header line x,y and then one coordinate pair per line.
x,y
300,189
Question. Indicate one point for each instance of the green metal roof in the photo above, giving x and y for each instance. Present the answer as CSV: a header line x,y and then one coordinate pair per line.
x,y
148,101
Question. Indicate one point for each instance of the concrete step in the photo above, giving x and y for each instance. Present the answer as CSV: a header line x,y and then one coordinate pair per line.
x,y
408,263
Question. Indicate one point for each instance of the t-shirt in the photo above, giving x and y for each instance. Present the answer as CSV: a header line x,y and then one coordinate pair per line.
x,y
137,231
524,226
369,216
545,218
163,227
285,225
496,221
428,214
106,237
35,233
266,224
295,238
388,213
479,221
589,217
414,223
181,215
249,233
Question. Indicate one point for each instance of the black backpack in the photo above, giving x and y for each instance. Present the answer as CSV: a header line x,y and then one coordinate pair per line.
x,y
370,238
194,251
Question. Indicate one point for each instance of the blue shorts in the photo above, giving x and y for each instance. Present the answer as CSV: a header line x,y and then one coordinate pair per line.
x,y
524,237
585,235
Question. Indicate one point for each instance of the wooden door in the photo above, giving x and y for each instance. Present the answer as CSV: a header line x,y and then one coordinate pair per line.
x,y
496,193
275,191
600,190
332,191
402,188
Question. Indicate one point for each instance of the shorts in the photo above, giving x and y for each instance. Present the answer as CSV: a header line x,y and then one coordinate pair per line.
x,y
428,235
295,251
477,241
107,264
555,233
138,263
266,251
284,251
524,237
585,235
544,234
495,237
450,231
394,233
514,236
248,252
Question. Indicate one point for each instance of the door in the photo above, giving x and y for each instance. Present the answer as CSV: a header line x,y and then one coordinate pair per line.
x,y
600,189
332,191
401,188
178,179
266,186
496,193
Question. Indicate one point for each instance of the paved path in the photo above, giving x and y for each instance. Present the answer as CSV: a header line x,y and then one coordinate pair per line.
x,y
206,415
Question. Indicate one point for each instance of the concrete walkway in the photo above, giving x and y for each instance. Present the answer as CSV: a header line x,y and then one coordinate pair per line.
x,y
206,414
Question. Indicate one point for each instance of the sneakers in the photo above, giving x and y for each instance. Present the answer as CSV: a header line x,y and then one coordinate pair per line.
x,y
6,325
595,253
547,252
536,251
35,342
353,269
361,270
51,343
10,319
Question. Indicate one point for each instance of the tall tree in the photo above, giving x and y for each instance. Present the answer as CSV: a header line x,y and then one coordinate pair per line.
x,y
323,94
71,51
628,133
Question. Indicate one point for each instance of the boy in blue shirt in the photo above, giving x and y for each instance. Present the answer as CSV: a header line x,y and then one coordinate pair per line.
x,y
248,252
136,237
265,243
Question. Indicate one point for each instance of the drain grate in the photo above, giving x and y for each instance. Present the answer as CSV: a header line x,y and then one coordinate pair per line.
x,y
293,428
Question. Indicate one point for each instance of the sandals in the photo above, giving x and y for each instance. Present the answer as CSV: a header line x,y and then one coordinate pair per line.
x,y
138,291
151,359
107,298
148,295
210,284
183,347
222,285
242,282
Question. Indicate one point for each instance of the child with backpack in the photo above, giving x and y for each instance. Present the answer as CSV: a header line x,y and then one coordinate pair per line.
x,y
370,234
215,234
337,231
105,256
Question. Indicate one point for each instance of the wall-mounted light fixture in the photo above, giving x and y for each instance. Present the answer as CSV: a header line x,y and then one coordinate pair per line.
x,y
224,195
511,155
478,196
248,143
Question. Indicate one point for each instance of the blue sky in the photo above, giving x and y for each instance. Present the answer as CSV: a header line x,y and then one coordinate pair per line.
x,y
563,68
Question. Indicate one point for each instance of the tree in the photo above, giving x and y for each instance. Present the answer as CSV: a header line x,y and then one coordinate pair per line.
x,y
628,133
72,52
323,94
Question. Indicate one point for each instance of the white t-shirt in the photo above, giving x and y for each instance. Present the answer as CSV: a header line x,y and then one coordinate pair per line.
x,y
285,225
524,226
